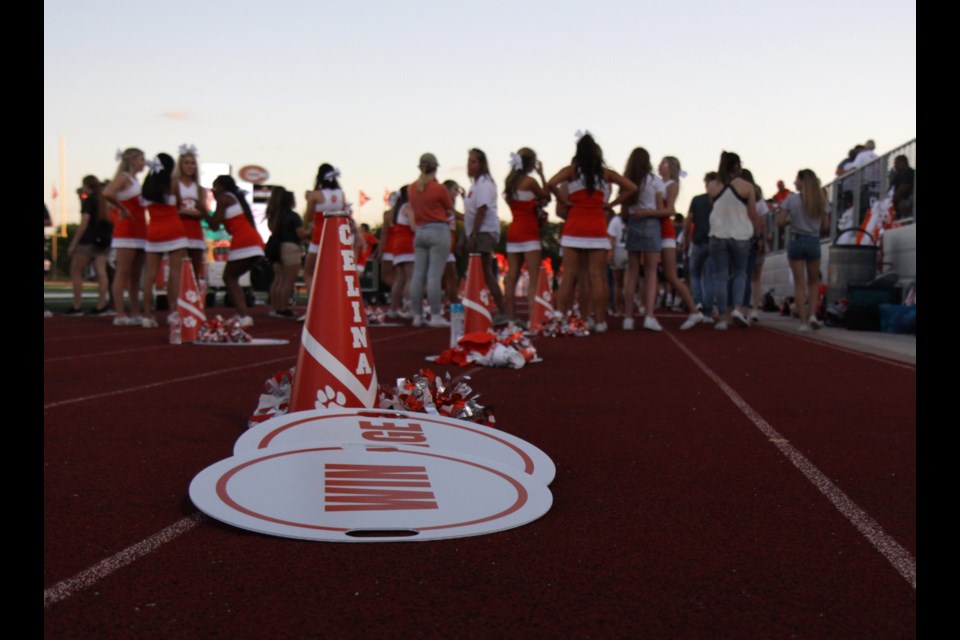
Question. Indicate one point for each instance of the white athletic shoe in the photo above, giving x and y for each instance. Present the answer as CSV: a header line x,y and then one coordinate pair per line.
x,y
692,320
814,323
418,321
720,326
149,323
804,328
650,324
438,321
628,324
600,328
739,319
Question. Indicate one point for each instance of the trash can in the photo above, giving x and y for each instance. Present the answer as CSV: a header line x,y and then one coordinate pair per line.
x,y
849,264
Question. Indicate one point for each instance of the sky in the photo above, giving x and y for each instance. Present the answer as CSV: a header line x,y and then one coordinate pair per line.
x,y
370,85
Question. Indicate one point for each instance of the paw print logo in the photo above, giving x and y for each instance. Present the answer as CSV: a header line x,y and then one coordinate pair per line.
x,y
485,297
328,399
192,297
547,296
190,322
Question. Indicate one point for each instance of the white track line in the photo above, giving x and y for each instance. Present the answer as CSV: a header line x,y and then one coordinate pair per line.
x,y
900,558
105,353
104,568
116,392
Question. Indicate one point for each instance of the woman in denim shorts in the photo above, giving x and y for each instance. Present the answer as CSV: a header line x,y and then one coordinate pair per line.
x,y
806,213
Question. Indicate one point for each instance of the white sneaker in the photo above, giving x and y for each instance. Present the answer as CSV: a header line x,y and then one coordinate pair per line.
x,y
692,320
149,323
600,328
628,324
172,317
418,321
720,326
438,321
707,320
650,324
804,328
406,315
814,323
739,319
245,322
754,316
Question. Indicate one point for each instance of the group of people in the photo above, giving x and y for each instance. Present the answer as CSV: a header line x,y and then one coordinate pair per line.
x,y
725,232
176,203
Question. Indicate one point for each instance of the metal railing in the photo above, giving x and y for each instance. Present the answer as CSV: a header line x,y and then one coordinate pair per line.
x,y
855,189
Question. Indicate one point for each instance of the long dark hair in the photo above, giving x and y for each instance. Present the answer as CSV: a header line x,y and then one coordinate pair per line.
x,y
528,159
95,187
484,165
402,199
156,186
729,162
747,175
323,181
588,161
280,201
230,186
637,171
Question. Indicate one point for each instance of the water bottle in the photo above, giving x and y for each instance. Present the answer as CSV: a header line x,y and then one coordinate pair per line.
x,y
456,323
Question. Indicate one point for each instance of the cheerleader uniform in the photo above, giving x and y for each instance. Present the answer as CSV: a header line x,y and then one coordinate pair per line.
x,y
245,241
165,231
668,233
389,241
523,234
586,226
333,200
130,232
190,198
403,247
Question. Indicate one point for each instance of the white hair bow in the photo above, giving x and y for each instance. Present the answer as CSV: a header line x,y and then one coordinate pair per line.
x,y
155,165
333,174
186,149
683,174
516,162
579,134
119,154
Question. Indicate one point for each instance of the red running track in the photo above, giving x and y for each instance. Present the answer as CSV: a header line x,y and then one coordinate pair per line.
x,y
687,501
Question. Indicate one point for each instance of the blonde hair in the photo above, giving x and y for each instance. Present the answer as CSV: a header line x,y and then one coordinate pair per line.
x,y
674,165
126,160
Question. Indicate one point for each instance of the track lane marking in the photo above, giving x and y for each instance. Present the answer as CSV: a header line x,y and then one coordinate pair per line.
x,y
115,392
66,588
896,555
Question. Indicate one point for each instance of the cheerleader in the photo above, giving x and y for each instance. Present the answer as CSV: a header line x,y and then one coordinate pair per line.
x,y
524,195
403,257
327,196
585,238
129,234
165,234
246,245
190,202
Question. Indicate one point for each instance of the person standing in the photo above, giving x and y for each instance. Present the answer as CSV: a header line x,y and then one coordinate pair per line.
x,y
696,239
806,213
482,225
525,196
585,240
246,245
431,204
90,243
129,234
733,223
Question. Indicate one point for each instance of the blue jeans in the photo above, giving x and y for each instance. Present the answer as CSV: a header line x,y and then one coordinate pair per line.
x,y
729,259
701,276
431,244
